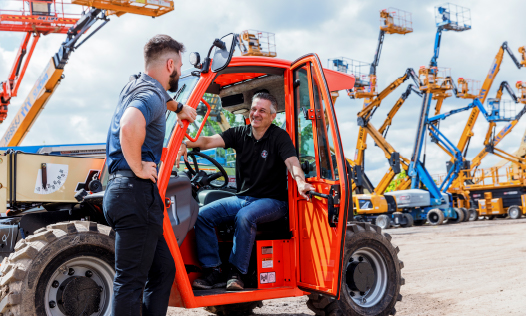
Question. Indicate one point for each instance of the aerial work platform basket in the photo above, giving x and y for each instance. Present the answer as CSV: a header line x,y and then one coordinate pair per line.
x,y
435,79
396,21
41,17
152,8
521,86
453,17
500,110
468,88
359,69
257,43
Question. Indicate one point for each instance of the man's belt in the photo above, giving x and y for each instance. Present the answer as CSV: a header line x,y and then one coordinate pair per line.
x,y
122,173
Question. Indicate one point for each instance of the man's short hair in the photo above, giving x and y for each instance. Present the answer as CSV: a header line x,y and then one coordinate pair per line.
x,y
158,45
268,97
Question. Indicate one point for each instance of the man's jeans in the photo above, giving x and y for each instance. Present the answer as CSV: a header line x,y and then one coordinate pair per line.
x,y
246,212
134,209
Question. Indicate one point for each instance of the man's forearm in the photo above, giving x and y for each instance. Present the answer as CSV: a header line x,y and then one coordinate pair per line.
x,y
131,147
293,165
201,143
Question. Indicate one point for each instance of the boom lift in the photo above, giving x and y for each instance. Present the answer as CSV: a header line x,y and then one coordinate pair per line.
x,y
48,81
317,249
37,19
435,83
466,192
370,206
463,143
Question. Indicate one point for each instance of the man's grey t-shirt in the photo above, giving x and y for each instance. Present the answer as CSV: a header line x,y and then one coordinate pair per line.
x,y
148,96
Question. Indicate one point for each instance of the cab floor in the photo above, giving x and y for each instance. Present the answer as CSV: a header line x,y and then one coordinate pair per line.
x,y
219,291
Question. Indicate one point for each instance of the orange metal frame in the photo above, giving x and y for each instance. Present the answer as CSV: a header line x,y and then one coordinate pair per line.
x,y
182,294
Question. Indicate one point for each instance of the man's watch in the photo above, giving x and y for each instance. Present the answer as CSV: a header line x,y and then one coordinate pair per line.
x,y
179,107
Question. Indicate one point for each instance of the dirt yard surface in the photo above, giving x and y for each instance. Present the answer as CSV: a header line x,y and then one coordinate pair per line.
x,y
471,268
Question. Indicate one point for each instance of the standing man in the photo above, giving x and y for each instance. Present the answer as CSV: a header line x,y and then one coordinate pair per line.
x,y
264,152
132,204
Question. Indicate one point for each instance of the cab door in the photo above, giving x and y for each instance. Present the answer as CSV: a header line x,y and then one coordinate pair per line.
x,y
322,221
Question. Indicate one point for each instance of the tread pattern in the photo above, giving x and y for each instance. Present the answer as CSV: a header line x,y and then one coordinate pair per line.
x,y
13,271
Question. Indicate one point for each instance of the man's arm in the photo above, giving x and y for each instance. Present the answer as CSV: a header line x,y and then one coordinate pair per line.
x,y
293,165
131,135
187,113
203,142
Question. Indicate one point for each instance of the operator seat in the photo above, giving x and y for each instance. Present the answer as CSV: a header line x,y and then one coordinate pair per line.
x,y
279,229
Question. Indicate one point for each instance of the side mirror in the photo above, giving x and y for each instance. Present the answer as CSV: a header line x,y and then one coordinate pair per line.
x,y
223,52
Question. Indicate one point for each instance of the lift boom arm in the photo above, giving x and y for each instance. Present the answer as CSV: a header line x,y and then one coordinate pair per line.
x,y
488,82
49,80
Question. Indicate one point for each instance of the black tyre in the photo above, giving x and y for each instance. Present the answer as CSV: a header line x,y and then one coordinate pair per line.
x,y
410,220
514,212
466,214
459,216
419,222
473,215
435,217
383,221
62,269
234,309
371,277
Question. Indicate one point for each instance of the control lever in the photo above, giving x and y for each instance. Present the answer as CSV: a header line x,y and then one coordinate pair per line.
x,y
330,205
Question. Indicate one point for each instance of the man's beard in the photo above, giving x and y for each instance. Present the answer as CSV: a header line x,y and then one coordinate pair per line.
x,y
174,82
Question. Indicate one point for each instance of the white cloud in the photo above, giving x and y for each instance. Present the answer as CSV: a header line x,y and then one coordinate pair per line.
x,y
81,108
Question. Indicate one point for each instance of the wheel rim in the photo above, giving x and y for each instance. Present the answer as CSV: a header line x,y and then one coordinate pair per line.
x,y
381,221
472,215
378,273
96,270
433,217
514,213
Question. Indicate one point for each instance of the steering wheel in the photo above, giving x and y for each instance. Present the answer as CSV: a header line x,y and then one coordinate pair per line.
x,y
200,178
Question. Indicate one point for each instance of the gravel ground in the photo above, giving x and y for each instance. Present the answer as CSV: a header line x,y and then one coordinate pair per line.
x,y
471,268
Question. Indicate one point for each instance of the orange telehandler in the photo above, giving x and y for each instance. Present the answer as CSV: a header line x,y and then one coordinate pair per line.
x,y
59,257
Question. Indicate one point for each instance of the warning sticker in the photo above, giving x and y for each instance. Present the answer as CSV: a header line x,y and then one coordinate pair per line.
x,y
267,263
269,277
266,250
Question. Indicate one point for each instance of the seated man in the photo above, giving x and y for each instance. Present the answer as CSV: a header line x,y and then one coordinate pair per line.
x,y
264,152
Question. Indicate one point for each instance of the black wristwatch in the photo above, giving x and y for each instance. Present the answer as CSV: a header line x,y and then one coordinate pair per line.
x,y
179,107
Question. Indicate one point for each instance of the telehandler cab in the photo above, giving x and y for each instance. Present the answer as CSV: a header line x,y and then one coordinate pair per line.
x,y
63,260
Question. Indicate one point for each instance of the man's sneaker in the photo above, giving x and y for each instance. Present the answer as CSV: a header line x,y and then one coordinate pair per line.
x,y
234,282
213,278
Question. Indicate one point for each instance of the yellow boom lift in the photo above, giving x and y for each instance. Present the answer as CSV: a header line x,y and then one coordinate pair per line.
x,y
490,191
48,81
372,206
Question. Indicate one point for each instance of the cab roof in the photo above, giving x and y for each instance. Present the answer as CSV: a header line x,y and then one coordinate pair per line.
x,y
253,67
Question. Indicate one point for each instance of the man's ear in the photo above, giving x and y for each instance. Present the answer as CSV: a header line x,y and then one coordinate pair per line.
x,y
170,65
273,115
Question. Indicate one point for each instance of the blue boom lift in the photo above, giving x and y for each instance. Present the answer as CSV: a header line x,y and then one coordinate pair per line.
x,y
425,198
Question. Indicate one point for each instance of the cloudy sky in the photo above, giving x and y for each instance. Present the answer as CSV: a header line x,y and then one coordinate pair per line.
x,y
80,110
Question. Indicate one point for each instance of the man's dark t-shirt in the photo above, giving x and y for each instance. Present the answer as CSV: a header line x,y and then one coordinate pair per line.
x,y
260,164
148,96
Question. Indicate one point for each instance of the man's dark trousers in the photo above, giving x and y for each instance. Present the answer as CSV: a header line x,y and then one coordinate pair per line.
x,y
134,209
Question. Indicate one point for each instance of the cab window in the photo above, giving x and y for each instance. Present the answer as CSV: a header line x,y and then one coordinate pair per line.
x,y
304,136
326,155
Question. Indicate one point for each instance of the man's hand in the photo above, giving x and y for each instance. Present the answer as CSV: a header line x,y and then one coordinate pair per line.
x,y
303,188
182,152
148,171
187,113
